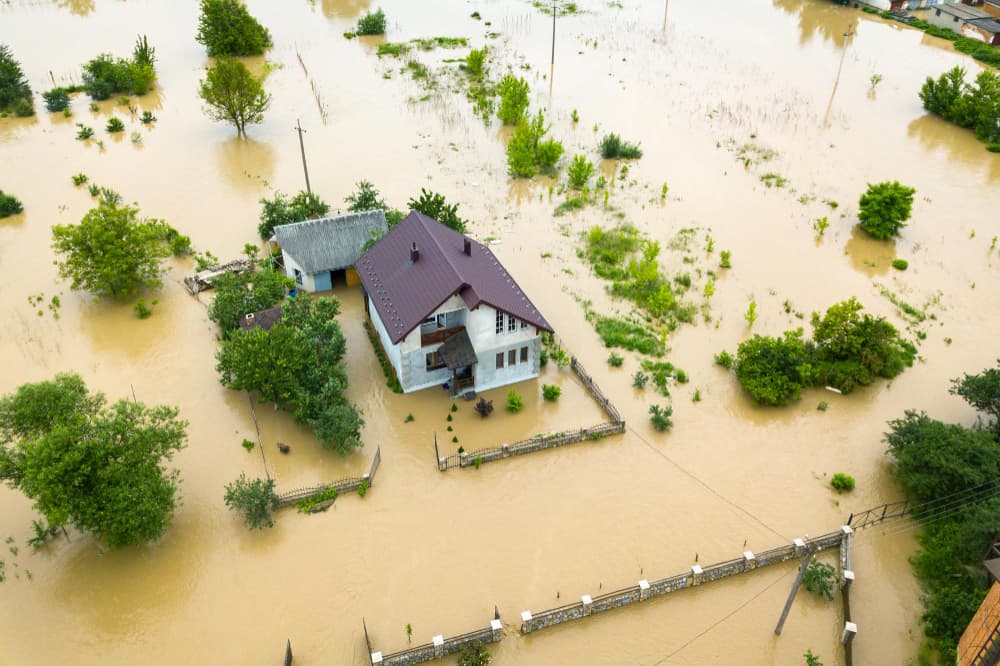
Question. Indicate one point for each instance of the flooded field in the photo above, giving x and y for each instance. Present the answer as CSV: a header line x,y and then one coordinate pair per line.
x,y
695,83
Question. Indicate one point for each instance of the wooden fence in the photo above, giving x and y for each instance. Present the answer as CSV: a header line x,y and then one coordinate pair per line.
x,y
542,441
349,484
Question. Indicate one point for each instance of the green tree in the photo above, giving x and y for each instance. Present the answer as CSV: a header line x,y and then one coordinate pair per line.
x,y
269,362
820,579
238,295
513,93
106,75
234,95
226,28
366,198
9,205
885,208
435,206
944,95
528,152
474,654
280,210
579,172
982,106
85,463
982,391
774,370
14,86
255,499
111,253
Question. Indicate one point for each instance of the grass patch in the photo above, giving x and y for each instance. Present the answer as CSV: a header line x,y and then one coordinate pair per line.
x,y
390,375
571,204
620,333
613,147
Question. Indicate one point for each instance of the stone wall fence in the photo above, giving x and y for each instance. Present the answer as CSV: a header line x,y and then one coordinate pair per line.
x,y
349,484
439,646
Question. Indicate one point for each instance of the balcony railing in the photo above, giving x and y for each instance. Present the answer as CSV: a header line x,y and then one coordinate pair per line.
x,y
438,336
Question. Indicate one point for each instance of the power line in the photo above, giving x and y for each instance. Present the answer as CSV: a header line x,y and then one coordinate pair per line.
x,y
728,615
706,486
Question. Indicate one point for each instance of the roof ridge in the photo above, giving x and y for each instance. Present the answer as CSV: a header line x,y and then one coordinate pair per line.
x,y
423,223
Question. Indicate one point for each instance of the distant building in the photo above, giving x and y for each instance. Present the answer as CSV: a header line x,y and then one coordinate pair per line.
x,y
447,312
967,21
319,253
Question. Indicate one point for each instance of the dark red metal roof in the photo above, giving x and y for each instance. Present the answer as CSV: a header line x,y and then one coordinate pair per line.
x,y
405,292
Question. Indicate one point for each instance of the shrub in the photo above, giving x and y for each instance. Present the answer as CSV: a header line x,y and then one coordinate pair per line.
x,y
23,108
147,118
772,369
820,579
615,361
513,93
639,379
681,377
80,179
884,209
474,654
248,445
9,205
142,311
56,99
528,153
372,23
724,259
142,52
660,417
83,132
255,499
551,392
484,407
579,172
475,63
106,75
842,482
900,264
725,359
363,488
613,147
226,28
514,402
14,88
114,125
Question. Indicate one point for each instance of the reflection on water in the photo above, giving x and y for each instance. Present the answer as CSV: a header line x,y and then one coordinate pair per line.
x,y
77,7
342,8
245,164
937,134
869,255
825,19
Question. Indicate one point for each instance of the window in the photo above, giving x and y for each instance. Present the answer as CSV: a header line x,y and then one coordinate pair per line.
x,y
441,320
938,12
524,325
511,324
500,361
298,277
434,361
955,20
512,357
499,323
524,354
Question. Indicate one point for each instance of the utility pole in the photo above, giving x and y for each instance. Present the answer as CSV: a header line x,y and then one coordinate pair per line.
x,y
302,147
554,9
666,8
847,43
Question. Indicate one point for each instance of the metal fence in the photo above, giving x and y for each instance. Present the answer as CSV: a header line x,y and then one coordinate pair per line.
x,y
877,514
345,485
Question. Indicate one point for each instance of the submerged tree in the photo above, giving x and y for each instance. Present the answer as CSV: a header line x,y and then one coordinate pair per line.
x,y
14,89
234,95
226,28
280,210
111,253
255,499
95,466
884,209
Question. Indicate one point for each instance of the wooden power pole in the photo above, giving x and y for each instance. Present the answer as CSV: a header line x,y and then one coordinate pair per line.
x,y
302,148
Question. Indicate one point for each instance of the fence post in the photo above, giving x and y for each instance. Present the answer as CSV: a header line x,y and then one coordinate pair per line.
x,y
526,622
438,642
496,629
288,653
696,574
643,589
588,604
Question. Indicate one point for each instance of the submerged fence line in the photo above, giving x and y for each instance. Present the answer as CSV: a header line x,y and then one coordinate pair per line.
x,y
439,646
542,441
349,484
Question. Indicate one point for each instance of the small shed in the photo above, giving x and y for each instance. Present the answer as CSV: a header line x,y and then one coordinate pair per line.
x,y
320,253
264,319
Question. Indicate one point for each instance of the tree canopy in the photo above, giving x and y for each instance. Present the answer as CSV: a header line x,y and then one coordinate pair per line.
x,y
982,391
226,28
239,295
96,466
298,365
232,94
280,210
255,499
14,86
884,209
433,205
111,253
973,106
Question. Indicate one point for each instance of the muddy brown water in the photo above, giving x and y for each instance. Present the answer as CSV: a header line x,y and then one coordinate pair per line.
x,y
439,550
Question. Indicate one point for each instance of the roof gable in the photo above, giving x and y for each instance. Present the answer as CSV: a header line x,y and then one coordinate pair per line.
x,y
405,292
329,243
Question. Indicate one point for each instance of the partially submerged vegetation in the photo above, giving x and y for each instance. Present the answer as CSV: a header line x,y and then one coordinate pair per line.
x,y
9,205
613,147
106,75
226,28
972,106
279,210
848,350
15,93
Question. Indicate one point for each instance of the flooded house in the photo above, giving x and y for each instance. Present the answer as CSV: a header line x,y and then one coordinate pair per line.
x,y
967,21
320,253
446,312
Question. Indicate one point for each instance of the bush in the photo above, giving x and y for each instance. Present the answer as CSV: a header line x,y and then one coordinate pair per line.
x,y
56,99
528,153
884,209
280,210
774,370
842,482
83,132
725,359
475,63
9,205
900,264
613,147
551,392
639,379
142,311
14,89
372,23
114,125
226,28
106,75
514,402
436,207
660,417
255,499
724,259
615,361
474,654
820,579
579,172
513,93
681,376
23,108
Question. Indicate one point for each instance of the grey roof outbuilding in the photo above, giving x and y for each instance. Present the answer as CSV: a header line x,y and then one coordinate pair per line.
x,y
330,243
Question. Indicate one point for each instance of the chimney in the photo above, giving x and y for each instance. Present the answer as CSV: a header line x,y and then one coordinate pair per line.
x,y
250,317
414,253
467,248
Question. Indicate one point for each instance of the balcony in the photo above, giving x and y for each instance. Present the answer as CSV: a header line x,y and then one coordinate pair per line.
x,y
438,336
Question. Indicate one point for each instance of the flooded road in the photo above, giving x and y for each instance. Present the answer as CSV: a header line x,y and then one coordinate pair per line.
x,y
435,550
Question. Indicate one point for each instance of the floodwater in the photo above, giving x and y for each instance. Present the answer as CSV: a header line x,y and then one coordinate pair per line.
x,y
693,83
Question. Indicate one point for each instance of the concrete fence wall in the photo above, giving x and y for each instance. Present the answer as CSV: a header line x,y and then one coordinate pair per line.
x,y
440,647
749,561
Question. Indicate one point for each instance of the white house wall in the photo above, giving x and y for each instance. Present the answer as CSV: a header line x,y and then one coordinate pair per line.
x,y
391,350
308,283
